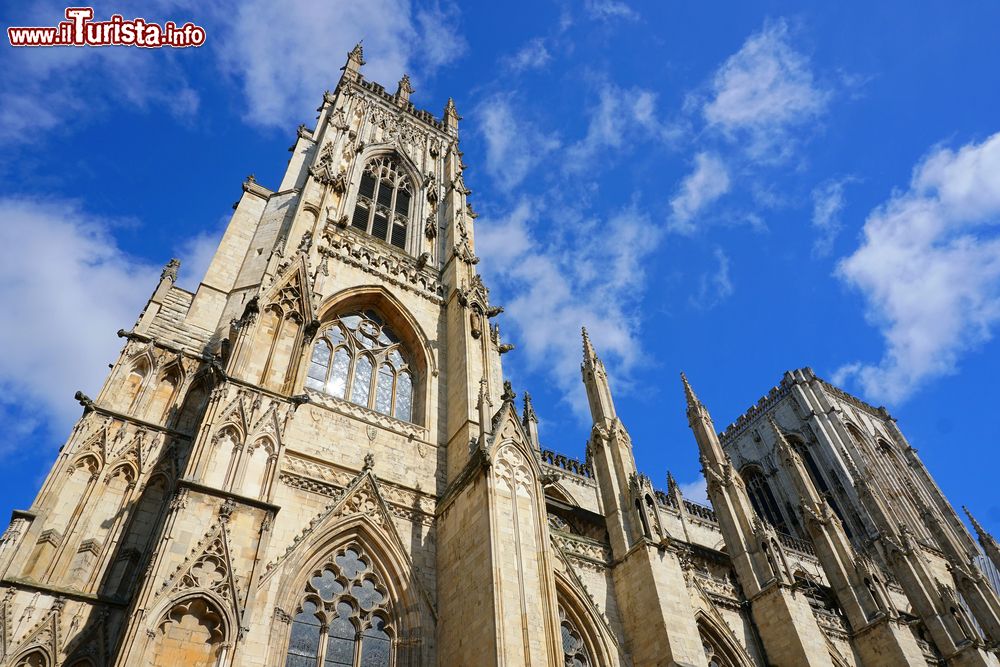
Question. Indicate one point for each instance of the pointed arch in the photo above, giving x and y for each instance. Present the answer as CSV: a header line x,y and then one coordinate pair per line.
x,y
145,515
721,648
193,407
192,629
421,367
134,379
164,391
222,455
410,614
579,612
257,464
35,657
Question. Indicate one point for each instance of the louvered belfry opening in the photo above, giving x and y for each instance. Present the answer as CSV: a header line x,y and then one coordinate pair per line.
x,y
383,205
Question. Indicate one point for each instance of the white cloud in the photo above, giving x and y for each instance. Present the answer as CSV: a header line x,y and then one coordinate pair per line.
x,y
513,145
763,91
65,288
929,269
621,115
68,287
196,254
58,88
696,491
828,201
715,286
532,55
557,286
284,53
607,10
708,182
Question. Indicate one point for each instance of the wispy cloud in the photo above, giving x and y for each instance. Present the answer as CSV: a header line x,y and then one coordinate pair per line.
x,y
609,10
621,116
929,269
707,182
284,53
763,92
533,55
556,285
696,491
828,202
513,145
46,90
714,286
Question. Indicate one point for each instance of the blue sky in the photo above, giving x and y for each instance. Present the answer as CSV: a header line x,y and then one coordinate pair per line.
x,y
731,189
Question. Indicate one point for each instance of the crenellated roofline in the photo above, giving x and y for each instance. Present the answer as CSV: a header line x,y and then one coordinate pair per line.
x,y
778,392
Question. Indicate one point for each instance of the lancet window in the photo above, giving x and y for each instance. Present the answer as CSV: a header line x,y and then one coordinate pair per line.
x,y
358,358
383,204
761,496
343,619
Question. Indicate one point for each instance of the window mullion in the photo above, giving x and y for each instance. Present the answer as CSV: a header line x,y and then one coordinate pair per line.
x,y
323,638
373,204
392,213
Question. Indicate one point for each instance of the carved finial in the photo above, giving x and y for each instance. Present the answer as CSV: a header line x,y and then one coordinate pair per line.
x,y
508,392
980,531
451,116
170,270
529,409
672,486
369,461
357,54
251,178
404,90
589,354
351,69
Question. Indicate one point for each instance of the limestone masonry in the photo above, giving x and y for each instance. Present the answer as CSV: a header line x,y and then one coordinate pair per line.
x,y
314,461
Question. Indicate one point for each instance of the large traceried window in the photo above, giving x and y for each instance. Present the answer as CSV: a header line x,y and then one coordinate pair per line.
x,y
357,357
383,204
343,620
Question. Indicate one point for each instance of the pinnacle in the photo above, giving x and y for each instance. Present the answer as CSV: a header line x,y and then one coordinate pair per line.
x,y
692,399
975,524
589,353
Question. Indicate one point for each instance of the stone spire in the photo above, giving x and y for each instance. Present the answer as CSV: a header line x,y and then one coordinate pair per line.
x,y
595,379
988,542
704,430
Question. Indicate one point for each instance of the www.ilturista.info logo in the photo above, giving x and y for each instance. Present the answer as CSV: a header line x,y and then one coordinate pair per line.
x,y
81,30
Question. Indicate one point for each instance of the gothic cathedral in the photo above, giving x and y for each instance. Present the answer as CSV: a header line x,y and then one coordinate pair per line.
x,y
314,461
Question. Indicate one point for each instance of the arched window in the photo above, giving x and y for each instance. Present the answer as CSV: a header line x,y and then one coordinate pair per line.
x,y
359,358
383,204
33,659
574,649
761,497
717,652
343,620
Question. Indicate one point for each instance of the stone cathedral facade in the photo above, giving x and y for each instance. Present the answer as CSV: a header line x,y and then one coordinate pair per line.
x,y
314,461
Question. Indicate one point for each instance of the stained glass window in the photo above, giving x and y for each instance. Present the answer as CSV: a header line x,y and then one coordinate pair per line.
x,y
574,650
383,201
347,354
344,615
